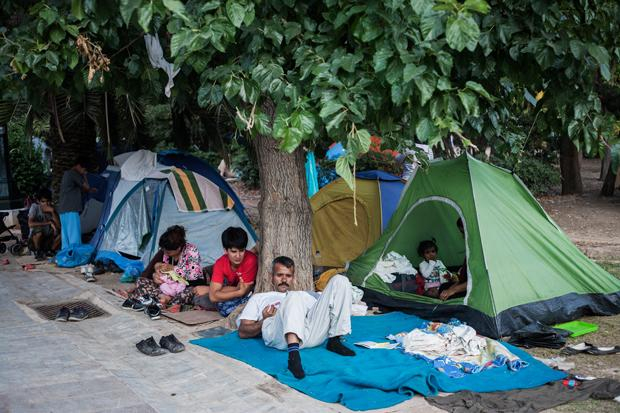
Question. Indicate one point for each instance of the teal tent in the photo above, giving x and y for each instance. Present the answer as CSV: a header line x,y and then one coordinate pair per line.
x,y
521,267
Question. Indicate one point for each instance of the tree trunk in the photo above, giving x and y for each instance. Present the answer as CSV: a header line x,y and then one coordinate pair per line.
x,y
285,213
609,183
605,164
80,140
570,167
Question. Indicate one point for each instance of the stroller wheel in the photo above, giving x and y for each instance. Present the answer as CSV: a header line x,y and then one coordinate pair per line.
x,y
2,247
17,249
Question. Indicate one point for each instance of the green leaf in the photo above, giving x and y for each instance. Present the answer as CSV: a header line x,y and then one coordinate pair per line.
x,y
478,88
127,7
145,14
426,86
272,33
235,12
411,71
419,6
605,72
57,35
176,7
52,57
335,122
349,61
577,48
444,84
232,88
330,108
426,130
291,139
431,24
77,10
49,15
291,30
72,30
73,60
249,91
445,62
599,53
394,72
261,123
462,32
304,121
479,6
344,170
178,41
470,102
573,129
396,93
380,58
359,143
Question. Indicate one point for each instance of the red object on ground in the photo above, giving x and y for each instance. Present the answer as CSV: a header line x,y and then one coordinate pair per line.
x,y
28,267
4,261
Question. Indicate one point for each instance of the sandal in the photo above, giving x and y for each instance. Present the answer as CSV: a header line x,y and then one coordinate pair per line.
x,y
603,351
576,349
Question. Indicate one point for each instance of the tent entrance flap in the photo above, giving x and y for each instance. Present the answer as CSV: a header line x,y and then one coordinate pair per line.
x,y
427,220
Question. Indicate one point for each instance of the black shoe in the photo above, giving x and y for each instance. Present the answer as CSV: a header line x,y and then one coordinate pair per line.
x,y
63,314
334,344
171,344
128,304
112,267
150,347
141,303
98,270
78,314
39,256
153,311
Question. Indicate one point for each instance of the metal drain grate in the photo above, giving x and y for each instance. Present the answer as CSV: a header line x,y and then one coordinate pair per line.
x,y
49,311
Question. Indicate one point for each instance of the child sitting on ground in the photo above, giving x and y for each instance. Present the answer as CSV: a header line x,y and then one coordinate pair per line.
x,y
432,269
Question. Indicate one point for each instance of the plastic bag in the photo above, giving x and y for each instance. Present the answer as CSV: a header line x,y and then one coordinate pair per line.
x,y
74,256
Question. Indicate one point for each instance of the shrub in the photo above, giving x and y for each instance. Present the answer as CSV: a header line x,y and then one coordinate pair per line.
x,y
540,177
27,168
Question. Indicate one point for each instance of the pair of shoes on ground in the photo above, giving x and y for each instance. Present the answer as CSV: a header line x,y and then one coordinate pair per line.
x,y
589,349
87,271
145,303
74,314
150,347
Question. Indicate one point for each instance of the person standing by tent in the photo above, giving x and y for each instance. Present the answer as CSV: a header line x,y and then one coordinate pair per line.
x,y
233,275
73,183
290,320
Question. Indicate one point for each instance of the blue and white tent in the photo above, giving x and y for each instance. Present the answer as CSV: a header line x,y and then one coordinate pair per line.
x,y
139,205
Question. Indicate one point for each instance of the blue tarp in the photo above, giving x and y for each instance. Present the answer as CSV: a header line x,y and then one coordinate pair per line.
x,y
375,379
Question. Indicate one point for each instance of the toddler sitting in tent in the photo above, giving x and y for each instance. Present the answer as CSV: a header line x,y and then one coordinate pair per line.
x,y
432,269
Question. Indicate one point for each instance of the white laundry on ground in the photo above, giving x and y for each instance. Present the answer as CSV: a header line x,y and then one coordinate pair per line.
x,y
391,263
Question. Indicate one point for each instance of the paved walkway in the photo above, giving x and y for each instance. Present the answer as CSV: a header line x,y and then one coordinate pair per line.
x,y
93,365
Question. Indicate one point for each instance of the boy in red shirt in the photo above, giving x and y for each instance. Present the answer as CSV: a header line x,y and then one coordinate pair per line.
x,y
233,274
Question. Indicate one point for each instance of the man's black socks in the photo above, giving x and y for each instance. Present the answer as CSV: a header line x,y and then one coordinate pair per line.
x,y
294,361
334,344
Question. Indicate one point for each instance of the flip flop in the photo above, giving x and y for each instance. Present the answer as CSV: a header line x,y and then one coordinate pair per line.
x,y
4,261
603,351
28,267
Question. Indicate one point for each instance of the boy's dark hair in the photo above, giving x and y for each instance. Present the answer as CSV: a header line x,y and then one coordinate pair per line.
x,y
282,260
173,238
82,161
426,244
44,193
459,224
234,237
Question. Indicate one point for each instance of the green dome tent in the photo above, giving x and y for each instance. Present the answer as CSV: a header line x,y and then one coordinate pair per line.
x,y
521,267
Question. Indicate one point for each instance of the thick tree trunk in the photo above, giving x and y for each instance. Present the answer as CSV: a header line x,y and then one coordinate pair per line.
x,y
285,213
609,183
570,167
80,140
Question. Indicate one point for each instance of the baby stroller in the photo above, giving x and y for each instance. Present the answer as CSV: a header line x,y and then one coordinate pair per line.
x,y
17,248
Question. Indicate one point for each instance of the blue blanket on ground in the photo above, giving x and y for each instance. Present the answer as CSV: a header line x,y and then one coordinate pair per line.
x,y
375,378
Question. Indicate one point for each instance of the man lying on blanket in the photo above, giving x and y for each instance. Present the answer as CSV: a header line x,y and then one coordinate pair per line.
x,y
296,319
